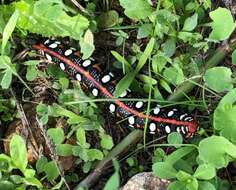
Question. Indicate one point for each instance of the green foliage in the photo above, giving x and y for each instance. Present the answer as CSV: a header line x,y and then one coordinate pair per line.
x,y
51,17
213,75
224,120
136,10
223,24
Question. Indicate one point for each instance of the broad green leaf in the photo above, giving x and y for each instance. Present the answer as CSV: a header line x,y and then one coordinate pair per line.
x,y
175,138
94,154
7,185
9,28
144,31
49,18
176,185
41,163
188,180
31,73
234,57
29,173
203,185
213,75
174,74
108,19
222,151
164,170
224,116
33,182
138,9
6,79
56,134
51,170
106,142
169,47
86,44
190,23
205,172
18,152
223,24
80,136
64,149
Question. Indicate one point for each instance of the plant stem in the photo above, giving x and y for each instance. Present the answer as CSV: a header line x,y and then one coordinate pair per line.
x,y
216,58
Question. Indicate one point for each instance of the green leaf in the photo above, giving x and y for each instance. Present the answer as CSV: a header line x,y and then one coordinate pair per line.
x,y
164,170
190,23
94,154
33,181
108,19
6,79
175,138
64,149
203,185
174,74
81,137
18,152
144,31
224,116
31,73
190,182
9,28
29,173
234,57
205,172
7,185
138,9
213,75
41,163
114,181
165,85
50,18
222,151
51,170
169,47
176,185
106,142
86,44
223,24
56,134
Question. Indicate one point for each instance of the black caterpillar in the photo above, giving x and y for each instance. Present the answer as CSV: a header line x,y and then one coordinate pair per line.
x,y
102,84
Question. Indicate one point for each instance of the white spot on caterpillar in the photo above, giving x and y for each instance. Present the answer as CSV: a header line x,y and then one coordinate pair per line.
x,y
86,63
47,41
178,130
152,127
183,130
188,119
68,52
49,58
182,116
95,92
54,45
156,110
131,126
112,108
106,78
139,104
78,77
170,113
123,94
131,120
167,129
62,66
111,74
